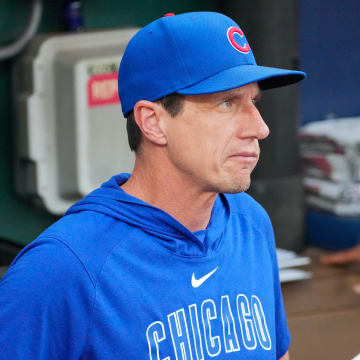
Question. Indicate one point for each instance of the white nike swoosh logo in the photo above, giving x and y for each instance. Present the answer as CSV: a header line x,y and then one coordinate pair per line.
x,y
197,282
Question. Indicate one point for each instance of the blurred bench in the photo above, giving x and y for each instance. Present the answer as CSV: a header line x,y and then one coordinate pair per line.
x,y
324,312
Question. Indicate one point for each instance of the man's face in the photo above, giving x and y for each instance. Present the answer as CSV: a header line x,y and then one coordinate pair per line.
x,y
213,141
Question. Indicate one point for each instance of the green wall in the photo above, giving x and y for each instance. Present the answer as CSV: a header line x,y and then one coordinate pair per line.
x,y
20,222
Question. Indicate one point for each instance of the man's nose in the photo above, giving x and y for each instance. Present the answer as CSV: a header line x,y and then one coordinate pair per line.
x,y
255,126
262,129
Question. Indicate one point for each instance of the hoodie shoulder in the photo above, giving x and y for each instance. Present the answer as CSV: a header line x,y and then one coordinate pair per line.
x,y
245,204
45,285
90,236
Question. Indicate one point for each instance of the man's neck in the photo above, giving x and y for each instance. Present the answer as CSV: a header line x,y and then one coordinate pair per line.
x,y
163,189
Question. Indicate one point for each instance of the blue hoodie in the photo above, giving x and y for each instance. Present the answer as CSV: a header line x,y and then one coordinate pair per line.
x,y
117,278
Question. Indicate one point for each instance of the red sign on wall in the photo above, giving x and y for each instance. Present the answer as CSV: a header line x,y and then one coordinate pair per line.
x,y
103,90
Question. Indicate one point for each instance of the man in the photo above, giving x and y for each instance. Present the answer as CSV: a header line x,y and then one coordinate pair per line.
x,y
170,262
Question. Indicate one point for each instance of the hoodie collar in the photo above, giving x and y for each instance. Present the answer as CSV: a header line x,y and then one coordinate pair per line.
x,y
111,200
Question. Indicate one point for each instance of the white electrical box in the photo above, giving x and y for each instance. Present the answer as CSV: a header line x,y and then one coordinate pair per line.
x,y
70,134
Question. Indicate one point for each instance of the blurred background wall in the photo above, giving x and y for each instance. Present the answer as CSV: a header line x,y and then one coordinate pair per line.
x,y
330,53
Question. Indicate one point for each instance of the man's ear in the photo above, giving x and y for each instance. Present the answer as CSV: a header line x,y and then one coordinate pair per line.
x,y
147,115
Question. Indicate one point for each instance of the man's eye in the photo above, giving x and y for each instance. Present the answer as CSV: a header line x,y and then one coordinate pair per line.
x,y
226,103
255,101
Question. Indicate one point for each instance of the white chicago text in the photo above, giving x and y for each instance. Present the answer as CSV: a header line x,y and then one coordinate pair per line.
x,y
194,331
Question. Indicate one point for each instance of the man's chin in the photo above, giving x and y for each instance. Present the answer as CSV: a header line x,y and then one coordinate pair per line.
x,y
237,190
235,187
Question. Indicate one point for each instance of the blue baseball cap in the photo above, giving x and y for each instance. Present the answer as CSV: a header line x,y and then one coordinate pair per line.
x,y
192,53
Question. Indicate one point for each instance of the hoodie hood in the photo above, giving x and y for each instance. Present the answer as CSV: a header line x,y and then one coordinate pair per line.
x,y
112,201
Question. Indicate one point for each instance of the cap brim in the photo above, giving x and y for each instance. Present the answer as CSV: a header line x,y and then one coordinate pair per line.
x,y
267,77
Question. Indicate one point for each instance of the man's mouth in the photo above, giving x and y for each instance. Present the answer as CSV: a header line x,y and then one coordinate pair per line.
x,y
245,156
